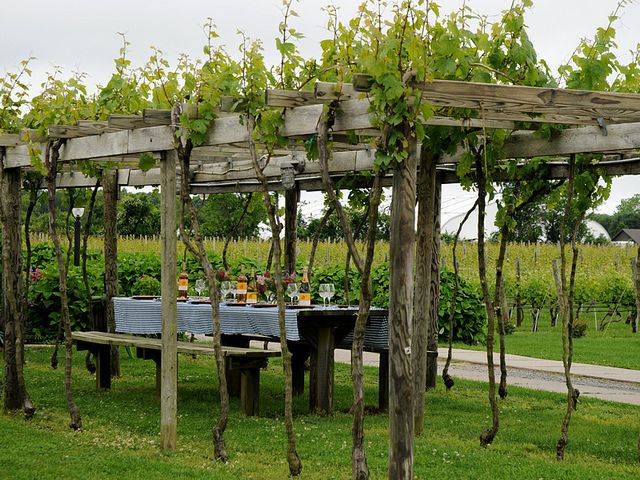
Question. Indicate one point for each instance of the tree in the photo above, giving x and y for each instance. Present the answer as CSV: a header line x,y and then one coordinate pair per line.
x,y
139,213
627,215
219,215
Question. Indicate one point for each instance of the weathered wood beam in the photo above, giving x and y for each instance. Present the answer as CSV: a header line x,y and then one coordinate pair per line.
x,y
126,122
10,140
125,142
81,130
168,252
574,140
154,117
451,93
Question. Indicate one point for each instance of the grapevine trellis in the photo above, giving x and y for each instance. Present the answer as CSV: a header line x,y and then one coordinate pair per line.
x,y
604,123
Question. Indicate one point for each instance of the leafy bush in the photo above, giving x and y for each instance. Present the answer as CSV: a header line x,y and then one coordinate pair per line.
x,y
469,321
146,285
43,315
133,266
538,292
579,328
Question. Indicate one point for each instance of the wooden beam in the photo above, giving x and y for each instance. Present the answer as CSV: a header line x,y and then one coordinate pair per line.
x,y
10,140
153,117
168,251
126,122
80,130
20,155
326,91
518,99
574,140
125,142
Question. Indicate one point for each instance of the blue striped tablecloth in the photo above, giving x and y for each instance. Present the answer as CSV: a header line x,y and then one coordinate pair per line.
x,y
144,317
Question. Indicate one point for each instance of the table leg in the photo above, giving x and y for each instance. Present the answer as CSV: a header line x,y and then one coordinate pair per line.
x,y
233,375
383,382
321,388
299,355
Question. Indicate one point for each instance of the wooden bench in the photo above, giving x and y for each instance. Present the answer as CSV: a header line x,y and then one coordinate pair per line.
x,y
242,364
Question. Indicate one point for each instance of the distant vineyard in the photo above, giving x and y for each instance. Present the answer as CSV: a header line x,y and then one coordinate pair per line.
x,y
604,272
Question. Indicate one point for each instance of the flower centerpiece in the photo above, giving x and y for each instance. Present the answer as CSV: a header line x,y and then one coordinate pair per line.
x,y
266,285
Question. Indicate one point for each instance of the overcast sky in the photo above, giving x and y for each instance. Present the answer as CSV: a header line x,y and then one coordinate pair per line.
x,y
81,35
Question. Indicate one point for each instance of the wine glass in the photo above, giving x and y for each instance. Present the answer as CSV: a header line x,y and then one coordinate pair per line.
x,y
331,291
200,286
323,291
225,289
292,291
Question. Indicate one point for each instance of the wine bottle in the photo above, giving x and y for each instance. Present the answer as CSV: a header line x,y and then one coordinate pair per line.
x,y
183,282
252,291
241,287
304,291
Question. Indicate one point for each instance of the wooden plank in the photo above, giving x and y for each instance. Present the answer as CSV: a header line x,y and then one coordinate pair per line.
x,y
138,178
153,117
513,99
226,130
123,339
19,156
574,140
289,98
74,180
125,142
126,121
168,251
10,140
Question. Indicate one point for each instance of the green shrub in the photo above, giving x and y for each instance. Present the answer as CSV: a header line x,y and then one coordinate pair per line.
x,y
43,315
469,321
579,328
147,285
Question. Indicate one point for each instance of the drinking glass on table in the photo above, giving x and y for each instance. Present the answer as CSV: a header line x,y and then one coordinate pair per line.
x,y
323,291
292,291
225,289
200,286
331,291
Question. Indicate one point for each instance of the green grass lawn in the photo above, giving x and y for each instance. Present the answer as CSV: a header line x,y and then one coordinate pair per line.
x,y
120,439
615,347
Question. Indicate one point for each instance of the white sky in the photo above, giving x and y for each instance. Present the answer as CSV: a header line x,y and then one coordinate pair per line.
x,y
81,35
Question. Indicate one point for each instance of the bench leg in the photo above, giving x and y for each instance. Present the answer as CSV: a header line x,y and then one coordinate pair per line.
x,y
383,382
250,391
103,367
248,370
155,355
233,379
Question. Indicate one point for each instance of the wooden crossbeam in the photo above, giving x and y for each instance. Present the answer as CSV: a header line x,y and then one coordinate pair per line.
x,y
126,121
488,116
518,99
83,129
10,140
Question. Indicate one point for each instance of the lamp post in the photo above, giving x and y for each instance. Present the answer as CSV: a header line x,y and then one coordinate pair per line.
x,y
77,213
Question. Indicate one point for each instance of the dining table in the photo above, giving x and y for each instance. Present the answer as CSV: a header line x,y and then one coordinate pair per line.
x,y
313,332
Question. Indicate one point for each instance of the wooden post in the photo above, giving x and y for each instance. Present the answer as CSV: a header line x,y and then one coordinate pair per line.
x,y
12,284
168,251
400,314
291,198
636,284
422,297
434,327
110,193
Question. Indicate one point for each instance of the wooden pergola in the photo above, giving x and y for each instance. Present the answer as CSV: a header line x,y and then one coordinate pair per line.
x,y
604,123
